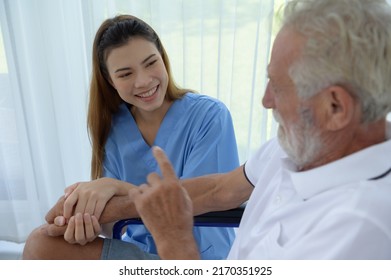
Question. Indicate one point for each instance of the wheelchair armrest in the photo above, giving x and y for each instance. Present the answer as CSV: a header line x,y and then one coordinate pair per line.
x,y
227,218
118,226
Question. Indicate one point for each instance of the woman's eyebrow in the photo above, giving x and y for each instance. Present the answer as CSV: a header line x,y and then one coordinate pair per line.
x,y
145,60
122,69
128,68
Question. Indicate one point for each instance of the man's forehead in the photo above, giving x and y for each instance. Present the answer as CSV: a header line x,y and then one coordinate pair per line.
x,y
286,48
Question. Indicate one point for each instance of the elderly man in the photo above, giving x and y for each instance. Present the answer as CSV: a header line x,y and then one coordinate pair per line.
x,y
322,190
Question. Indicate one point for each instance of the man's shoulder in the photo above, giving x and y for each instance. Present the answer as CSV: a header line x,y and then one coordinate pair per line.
x,y
266,158
270,149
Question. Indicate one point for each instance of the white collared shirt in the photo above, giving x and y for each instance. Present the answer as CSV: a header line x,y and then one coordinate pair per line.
x,y
341,210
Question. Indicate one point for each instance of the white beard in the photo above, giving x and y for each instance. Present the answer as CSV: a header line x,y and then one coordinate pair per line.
x,y
301,142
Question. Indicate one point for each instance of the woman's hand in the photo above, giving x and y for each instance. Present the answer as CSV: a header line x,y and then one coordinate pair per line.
x,y
91,197
82,228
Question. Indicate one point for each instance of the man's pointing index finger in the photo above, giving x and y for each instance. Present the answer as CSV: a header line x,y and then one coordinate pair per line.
x,y
163,162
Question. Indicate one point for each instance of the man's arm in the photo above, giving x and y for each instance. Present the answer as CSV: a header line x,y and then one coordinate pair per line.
x,y
218,192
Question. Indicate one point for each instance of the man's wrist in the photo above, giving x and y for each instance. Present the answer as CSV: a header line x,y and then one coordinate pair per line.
x,y
184,248
118,208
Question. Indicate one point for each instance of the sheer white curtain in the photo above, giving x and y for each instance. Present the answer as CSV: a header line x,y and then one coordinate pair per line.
x,y
44,144
217,47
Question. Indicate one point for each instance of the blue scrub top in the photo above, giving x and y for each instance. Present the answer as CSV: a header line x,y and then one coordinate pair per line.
x,y
198,137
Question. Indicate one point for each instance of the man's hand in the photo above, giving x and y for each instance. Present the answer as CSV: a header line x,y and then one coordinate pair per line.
x,y
166,210
56,223
55,211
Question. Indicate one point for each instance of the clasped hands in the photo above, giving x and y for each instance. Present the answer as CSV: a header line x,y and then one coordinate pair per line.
x,y
163,204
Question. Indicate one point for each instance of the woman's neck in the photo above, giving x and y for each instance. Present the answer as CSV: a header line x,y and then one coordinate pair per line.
x,y
149,122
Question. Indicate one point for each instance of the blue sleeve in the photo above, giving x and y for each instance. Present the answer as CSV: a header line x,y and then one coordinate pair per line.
x,y
214,149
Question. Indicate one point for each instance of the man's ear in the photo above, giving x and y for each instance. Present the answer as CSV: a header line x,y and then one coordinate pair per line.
x,y
340,107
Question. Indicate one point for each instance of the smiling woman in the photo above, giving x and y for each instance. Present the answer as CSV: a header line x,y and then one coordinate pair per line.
x,y
134,105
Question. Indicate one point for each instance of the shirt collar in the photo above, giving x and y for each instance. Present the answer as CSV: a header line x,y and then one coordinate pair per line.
x,y
362,165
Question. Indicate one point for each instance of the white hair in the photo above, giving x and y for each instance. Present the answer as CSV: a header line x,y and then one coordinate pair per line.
x,y
349,44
